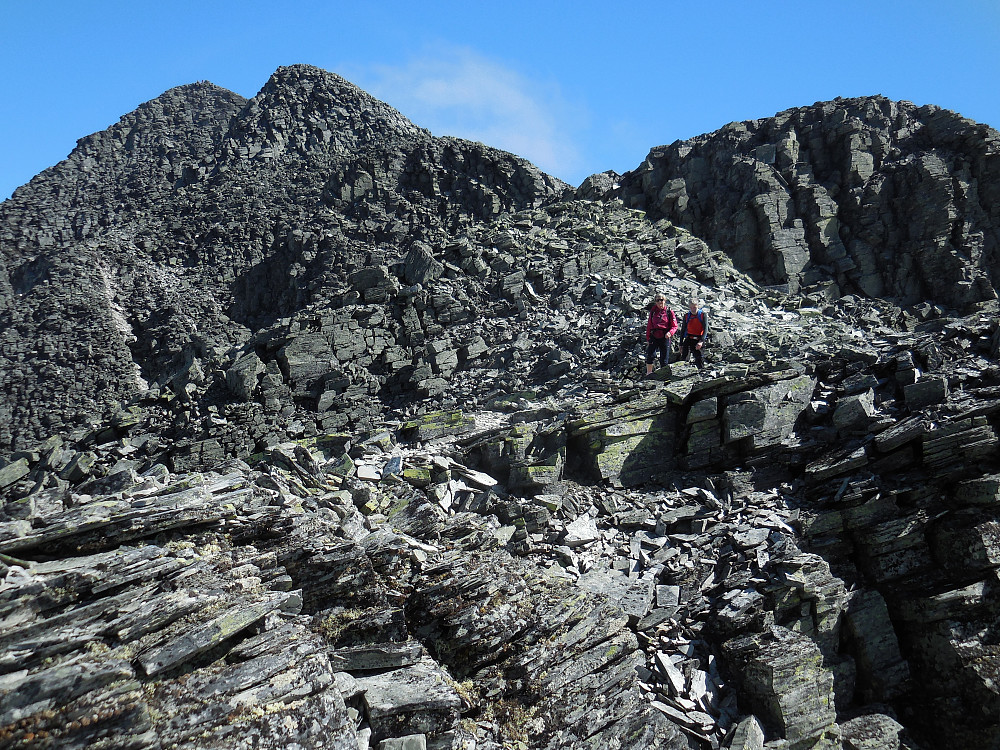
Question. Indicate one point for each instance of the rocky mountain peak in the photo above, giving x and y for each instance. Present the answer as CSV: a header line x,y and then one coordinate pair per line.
x,y
303,110
180,112
177,131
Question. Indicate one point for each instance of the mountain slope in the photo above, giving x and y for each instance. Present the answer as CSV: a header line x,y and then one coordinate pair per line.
x,y
200,214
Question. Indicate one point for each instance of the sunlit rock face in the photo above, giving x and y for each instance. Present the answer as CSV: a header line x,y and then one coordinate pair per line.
x,y
883,198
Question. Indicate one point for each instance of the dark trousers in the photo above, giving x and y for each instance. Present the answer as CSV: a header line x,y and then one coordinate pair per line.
x,y
688,347
658,345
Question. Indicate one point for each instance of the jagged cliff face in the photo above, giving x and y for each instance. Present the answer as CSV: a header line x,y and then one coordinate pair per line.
x,y
316,429
882,198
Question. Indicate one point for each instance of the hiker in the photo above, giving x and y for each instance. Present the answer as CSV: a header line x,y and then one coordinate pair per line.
x,y
694,329
660,330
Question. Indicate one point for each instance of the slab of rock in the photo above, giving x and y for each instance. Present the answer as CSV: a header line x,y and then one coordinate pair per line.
x,y
871,732
883,673
376,656
768,414
13,471
931,389
783,679
243,375
212,633
419,699
581,532
853,413
748,735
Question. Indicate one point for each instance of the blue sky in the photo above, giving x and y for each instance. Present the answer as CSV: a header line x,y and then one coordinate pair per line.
x,y
576,87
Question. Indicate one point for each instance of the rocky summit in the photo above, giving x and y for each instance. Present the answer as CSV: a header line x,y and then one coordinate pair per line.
x,y
320,431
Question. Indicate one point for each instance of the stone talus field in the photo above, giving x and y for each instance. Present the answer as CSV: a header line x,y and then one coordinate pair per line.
x,y
319,430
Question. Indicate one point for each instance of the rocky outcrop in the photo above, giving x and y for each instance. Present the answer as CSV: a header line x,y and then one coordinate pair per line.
x,y
884,198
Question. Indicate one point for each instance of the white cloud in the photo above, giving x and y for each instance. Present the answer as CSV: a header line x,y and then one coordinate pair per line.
x,y
458,92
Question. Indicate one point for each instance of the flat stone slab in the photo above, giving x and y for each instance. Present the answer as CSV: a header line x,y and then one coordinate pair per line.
x,y
376,656
13,471
199,640
871,732
419,699
581,531
926,391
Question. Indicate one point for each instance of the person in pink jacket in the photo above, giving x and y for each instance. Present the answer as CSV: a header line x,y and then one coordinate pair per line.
x,y
660,330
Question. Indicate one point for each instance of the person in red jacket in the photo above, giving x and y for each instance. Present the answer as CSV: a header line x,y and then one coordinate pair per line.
x,y
660,329
694,329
